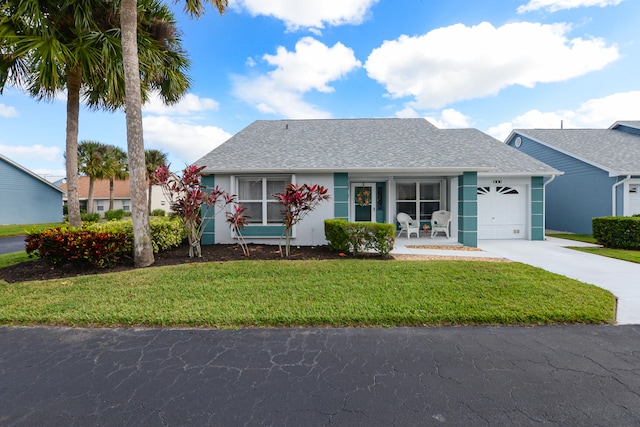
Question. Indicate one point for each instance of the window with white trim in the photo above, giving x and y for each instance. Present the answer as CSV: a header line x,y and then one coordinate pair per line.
x,y
418,199
256,194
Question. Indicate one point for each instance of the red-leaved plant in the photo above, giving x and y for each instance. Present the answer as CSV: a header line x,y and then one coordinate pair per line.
x,y
192,202
297,202
237,221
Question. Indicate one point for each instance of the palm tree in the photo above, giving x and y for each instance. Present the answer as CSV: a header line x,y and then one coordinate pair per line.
x,y
91,162
143,250
48,45
153,159
116,167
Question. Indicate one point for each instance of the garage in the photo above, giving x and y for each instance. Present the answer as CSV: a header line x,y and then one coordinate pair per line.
x,y
502,210
634,199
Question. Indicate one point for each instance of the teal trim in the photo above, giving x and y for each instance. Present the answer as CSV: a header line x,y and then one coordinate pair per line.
x,y
537,208
341,195
536,221
341,180
209,232
263,231
381,202
468,209
341,210
468,192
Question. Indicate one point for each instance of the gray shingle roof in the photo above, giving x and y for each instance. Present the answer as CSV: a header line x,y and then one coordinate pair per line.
x,y
365,144
614,151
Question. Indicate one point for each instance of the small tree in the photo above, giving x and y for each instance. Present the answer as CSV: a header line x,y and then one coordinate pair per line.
x,y
297,202
191,202
237,221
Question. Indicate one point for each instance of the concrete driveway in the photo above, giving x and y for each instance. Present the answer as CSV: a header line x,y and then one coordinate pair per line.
x,y
622,278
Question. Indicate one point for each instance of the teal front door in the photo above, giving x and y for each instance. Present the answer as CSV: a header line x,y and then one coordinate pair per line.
x,y
363,202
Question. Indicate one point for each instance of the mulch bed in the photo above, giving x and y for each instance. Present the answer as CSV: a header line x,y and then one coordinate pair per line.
x,y
40,270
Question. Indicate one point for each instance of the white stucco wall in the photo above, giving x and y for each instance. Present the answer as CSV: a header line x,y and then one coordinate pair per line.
x,y
309,232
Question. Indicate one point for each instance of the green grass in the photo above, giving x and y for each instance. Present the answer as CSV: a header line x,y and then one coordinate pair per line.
x,y
623,254
13,258
586,238
310,293
19,229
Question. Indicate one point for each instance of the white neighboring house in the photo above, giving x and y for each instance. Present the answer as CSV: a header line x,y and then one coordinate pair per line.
x,y
121,195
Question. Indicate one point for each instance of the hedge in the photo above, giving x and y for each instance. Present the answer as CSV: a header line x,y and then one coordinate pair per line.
x,y
359,237
619,232
166,233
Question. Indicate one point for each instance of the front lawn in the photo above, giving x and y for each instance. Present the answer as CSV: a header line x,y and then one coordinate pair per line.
x,y
586,238
20,229
310,293
623,254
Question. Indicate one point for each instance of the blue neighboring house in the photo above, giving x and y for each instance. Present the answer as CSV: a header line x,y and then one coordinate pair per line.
x,y
26,197
374,169
601,172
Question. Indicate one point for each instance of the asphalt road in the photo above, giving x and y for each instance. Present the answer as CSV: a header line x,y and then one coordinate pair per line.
x,y
11,244
450,376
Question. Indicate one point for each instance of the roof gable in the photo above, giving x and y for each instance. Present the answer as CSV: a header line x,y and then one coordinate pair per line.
x,y
614,151
365,144
28,172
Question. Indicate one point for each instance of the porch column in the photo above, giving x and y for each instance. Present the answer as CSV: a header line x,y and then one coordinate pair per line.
x,y
341,195
537,208
468,209
209,232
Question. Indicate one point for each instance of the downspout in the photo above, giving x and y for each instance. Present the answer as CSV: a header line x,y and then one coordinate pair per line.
x,y
613,195
544,195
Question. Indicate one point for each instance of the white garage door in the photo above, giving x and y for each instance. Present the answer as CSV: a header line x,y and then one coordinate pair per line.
x,y
634,199
502,211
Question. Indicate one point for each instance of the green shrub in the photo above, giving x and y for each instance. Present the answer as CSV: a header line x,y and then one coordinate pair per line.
x,y
359,237
619,232
94,217
158,212
59,246
335,231
127,214
114,215
166,233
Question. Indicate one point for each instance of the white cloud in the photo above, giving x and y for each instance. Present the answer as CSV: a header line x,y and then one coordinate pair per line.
x,y
313,14
599,113
556,5
458,62
188,104
450,118
7,111
17,153
312,65
182,140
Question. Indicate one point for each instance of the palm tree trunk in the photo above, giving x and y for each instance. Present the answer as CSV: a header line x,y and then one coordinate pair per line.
x,y
90,196
74,81
142,248
111,194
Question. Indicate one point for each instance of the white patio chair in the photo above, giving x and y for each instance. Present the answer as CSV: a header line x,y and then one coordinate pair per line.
x,y
440,221
408,225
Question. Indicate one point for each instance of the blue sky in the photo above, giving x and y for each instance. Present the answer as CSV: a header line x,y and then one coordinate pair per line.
x,y
494,65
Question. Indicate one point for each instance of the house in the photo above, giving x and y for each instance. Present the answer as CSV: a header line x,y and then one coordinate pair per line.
x,y
602,172
26,197
121,195
407,165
